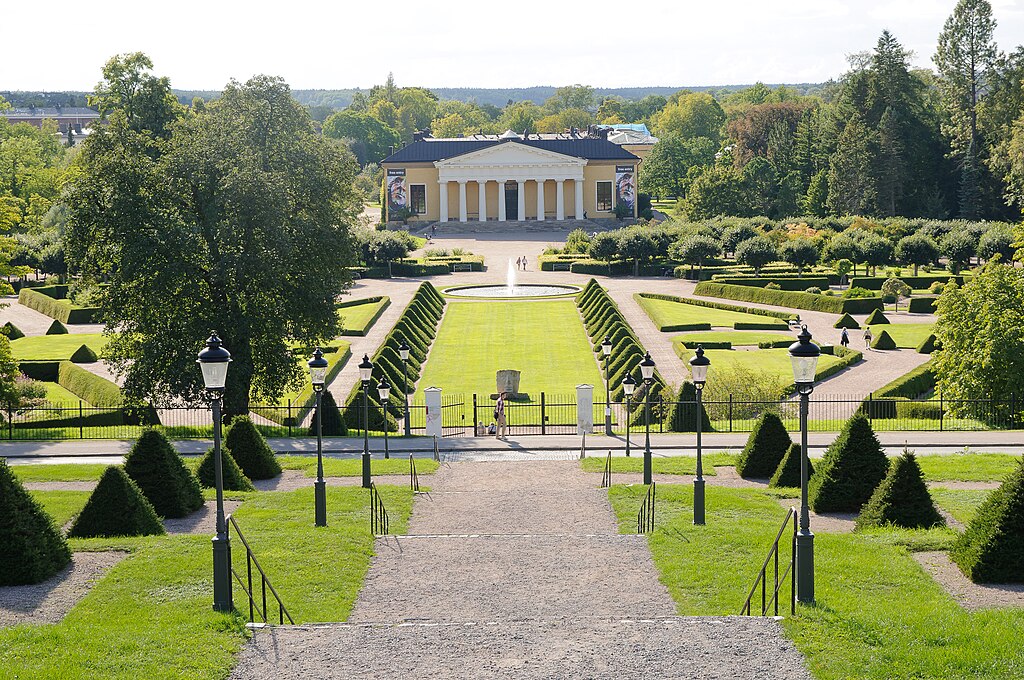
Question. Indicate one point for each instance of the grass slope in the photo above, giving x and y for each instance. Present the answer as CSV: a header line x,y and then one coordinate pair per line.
x,y
55,347
359,319
906,335
775,361
665,314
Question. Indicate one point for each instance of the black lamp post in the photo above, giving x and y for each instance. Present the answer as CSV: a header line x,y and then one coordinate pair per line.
x,y
318,376
213,361
628,385
384,391
647,373
606,349
365,374
699,366
804,355
403,351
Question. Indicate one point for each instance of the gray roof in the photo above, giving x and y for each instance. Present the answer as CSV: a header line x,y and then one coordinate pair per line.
x,y
51,112
431,150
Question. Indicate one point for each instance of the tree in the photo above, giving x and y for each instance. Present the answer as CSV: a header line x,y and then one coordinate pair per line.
x,y
664,171
875,251
690,115
368,138
958,247
852,467
695,250
145,100
636,245
815,201
844,247
990,550
896,288
386,247
604,246
851,183
34,547
716,191
756,253
571,97
733,236
800,253
996,241
916,249
902,499
216,228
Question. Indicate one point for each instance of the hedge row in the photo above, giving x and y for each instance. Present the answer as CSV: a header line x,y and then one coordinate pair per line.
x,y
893,400
305,401
385,303
785,316
915,282
911,385
61,310
923,305
783,282
89,386
783,298
619,268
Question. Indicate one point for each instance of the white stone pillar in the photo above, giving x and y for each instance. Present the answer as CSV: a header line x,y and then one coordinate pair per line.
x,y
540,200
560,200
579,199
463,213
481,187
443,202
501,200
522,199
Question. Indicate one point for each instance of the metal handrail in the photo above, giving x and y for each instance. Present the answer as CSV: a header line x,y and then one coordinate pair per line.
x,y
250,560
414,479
606,479
645,518
379,524
779,580
437,453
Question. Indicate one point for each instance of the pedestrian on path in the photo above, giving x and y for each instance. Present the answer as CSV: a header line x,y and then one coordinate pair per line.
x,y
844,340
524,263
519,263
499,416
867,338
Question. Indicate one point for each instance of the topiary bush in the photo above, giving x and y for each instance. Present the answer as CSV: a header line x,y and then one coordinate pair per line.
x,y
788,472
334,425
883,341
766,446
250,450
992,548
234,478
852,467
84,355
11,331
117,507
927,345
57,328
846,321
160,473
33,547
876,317
902,499
682,416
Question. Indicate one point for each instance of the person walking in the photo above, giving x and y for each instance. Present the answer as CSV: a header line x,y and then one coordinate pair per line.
x,y
844,340
519,263
524,263
867,337
499,416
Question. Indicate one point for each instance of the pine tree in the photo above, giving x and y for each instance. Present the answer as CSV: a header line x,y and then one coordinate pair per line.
x,y
902,499
33,547
851,183
157,468
250,450
766,446
992,548
891,168
788,472
850,470
117,507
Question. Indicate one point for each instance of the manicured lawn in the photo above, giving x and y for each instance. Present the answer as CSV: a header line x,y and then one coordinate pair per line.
x,y
775,361
352,467
55,347
63,472
737,338
55,394
968,467
359,319
62,505
675,465
545,340
906,335
961,503
304,391
666,314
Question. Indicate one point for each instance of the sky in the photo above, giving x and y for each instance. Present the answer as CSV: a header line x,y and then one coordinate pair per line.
x,y
200,45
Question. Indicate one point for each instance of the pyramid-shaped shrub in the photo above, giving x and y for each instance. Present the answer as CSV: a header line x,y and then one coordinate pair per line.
x,y
682,416
788,472
250,449
765,448
846,321
852,467
334,426
57,328
927,345
32,549
234,478
158,470
992,548
902,499
84,355
11,331
883,341
876,317
117,507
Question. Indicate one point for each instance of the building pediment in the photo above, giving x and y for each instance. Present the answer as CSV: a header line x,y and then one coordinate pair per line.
x,y
510,160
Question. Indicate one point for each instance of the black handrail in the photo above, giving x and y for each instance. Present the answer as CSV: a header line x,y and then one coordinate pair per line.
x,y
250,560
790,571
437,453
414,479
606,479
645,518
379,524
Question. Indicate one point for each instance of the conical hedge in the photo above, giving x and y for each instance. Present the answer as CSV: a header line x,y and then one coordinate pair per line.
x,y
33,548
992,548
682,417
117,507
883,341
84,355
902,499
927,345
766,446
852,467
334,426
876,317
57,328
788,472
234,478
250,450
846,321
158,470
11,331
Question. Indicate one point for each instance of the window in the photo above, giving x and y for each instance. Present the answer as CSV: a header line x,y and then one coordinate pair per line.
x,y
604,196
418,198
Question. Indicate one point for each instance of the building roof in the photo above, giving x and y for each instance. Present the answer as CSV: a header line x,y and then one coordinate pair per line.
x,y
636,127
430,150
631,137
50,112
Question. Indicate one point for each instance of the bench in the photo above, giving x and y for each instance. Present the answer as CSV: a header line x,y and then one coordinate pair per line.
x,y
462,267
561,266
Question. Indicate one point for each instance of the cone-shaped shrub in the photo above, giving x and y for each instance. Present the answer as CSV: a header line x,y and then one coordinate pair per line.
x,y
250,449
334,426
33,548
875,317
117,507
883,341
57,328
847,321
788,472
766,446
927,345
158,470
683,415
992,548
234,478
852,467
902,499
12,331
84,355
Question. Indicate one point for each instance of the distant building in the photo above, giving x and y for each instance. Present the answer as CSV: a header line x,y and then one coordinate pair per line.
x,y
75,117
633,137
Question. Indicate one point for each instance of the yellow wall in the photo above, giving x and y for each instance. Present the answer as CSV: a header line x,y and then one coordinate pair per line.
x,y
426,174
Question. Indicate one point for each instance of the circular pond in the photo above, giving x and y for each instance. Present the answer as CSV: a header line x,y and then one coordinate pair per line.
x,y
517,291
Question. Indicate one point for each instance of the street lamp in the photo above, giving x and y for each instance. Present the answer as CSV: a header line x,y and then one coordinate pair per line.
x,y
213,361
365,373
318,376
384,391
628,385
804,355
403,351
606,349
647,373
699,366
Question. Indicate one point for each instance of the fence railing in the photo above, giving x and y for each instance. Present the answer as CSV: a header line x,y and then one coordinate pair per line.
x,y
379,523
645,518
414,479
256,606
762,578
606,478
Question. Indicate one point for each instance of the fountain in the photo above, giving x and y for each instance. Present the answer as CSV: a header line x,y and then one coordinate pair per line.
x,y
511,289
510,279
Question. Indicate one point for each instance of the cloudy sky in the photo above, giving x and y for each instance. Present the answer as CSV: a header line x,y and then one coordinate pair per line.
x,y
467,43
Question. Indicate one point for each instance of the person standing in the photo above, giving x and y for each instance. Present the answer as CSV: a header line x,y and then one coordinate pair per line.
x,y
519,263
499,416
524,263
867,337
844,340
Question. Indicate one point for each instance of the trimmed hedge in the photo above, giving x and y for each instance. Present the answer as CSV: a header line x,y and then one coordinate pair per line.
x,y
84,355
915,282
784,298
927,345
56,328
992,548
250,450
783,282
766,446
902,499
117,507
386,302
846,321
760,326
788,472
33,547
682,415
232,476
59,309
683,348
334,425
11,331
883,341
910,385
922,305
852,467
785,316
876,317
88,386
158,470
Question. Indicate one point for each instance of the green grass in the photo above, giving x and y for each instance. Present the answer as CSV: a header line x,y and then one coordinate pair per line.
x,y
545,340
906,335
775,361
55,347
56,394
62,505
304,391
352,467
961,503
675,465
968,467
62,472
737,338
359,319
665,314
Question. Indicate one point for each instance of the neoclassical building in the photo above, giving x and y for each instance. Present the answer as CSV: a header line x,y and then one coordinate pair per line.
x,y
510,177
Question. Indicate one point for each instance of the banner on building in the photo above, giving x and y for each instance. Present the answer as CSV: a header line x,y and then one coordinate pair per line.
x,y
398,195
625,186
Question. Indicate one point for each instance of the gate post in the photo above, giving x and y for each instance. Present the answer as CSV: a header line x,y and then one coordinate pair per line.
x,y
476,430
584,409
432,399
543,416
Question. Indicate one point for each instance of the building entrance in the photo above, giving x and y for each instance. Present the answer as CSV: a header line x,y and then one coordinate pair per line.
x,y
511,201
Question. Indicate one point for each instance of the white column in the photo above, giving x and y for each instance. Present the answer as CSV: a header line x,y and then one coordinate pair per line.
x,y
540,200
560,200
463,216
443,202
501,200
522,199
481,187
579,198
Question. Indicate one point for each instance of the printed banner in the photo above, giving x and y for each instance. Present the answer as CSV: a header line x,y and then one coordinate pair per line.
x,y
625,186
398,196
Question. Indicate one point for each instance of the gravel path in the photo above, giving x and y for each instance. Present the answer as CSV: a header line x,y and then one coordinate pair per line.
x,y
60,486
969,595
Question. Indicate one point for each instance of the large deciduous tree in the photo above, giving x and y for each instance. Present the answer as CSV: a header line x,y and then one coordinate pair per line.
x,y
368,138
145,100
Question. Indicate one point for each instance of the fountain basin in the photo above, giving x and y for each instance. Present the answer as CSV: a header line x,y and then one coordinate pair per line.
x,y
522,290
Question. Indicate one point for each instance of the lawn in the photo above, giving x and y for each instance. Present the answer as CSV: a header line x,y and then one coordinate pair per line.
x,y
61,505
56,394
775,361
671,316
961,503
674,465
353,467
737,338
906,335
968,467
61,472
55,347
358,319
543,339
